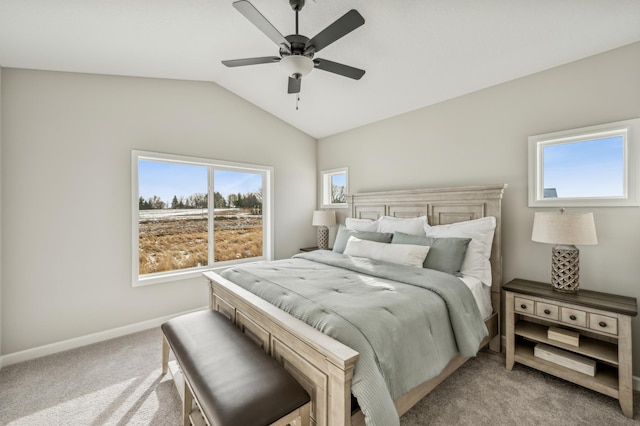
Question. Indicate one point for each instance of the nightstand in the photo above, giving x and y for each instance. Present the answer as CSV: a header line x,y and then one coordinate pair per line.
x,y
602,320
305,249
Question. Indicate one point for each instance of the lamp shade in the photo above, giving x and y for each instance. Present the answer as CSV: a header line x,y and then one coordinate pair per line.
x,y
324,218
296,64
564,228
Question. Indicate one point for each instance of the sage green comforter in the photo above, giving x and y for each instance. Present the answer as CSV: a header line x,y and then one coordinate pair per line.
x,y
407,323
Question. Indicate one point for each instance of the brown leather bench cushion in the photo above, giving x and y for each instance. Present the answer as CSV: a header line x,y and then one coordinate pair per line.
x,y
235,382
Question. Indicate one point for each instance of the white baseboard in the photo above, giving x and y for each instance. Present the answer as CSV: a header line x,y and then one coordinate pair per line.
x,y
77,342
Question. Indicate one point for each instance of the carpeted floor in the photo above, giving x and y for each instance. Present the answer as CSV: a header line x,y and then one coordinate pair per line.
x,y
118,382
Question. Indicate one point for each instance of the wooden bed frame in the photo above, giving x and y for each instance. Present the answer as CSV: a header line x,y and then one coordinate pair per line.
x,y
325,366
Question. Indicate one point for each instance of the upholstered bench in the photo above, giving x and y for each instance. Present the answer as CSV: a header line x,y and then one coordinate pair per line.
x,y
231,379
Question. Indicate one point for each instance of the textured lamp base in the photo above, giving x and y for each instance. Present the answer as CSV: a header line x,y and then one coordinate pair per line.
x,y
323,238
565,268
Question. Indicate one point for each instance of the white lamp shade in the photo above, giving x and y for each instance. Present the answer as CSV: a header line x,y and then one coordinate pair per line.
x,y
324,218
564,228
296,64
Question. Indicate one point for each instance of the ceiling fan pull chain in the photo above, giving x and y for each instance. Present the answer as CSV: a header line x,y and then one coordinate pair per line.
x,y
297,101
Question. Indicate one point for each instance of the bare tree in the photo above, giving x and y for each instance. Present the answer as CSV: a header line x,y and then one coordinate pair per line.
x,y
155,202
337,194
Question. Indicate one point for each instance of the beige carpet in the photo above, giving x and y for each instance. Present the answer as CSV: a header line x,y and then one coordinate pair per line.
x,y
118,382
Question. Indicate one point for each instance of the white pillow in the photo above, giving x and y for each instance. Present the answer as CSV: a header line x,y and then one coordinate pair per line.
x,y
411,225
402,254
476,260
365,225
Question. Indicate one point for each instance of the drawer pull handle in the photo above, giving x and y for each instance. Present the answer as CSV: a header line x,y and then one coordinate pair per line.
x,y
602,324
547,312
523,306
572,317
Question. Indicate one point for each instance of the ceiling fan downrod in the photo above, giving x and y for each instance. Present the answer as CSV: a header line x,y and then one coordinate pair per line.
x,y
297,6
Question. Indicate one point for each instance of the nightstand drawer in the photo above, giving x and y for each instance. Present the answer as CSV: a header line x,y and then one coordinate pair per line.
x,y
524,305
603,323
573,317
547,310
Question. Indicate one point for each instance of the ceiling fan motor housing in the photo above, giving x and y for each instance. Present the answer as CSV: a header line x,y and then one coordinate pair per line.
x,y
298,43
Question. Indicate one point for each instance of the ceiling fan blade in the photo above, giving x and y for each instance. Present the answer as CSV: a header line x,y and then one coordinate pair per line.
x,y
294,85
336,68
251,61
257,19
343,26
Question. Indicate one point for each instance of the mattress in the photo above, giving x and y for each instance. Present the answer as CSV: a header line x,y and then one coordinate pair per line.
x,y
481,294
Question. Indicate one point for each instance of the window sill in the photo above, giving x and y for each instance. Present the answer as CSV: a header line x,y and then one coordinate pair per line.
x,y
163,277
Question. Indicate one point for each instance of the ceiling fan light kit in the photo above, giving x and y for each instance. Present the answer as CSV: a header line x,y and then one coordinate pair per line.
x,y
297,51
296,66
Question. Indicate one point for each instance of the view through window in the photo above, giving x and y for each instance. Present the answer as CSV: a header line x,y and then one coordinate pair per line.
x,y
192,214
584,168
335,187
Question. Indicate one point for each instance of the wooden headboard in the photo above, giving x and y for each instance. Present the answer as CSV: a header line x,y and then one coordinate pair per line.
x,y
441,206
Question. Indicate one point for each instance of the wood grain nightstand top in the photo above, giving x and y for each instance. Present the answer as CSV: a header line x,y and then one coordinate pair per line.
x,y
593,299
306,249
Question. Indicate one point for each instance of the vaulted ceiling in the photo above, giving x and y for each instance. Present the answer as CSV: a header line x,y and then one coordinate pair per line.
x,y
415,52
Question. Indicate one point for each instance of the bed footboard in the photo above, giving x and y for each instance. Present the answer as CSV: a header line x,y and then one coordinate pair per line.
x,y
321,364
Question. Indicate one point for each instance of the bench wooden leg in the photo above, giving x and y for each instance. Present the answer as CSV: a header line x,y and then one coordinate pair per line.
x,y
299,417
165,355
305,414
187,405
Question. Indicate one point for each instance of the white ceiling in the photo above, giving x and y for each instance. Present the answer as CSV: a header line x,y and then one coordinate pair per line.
x,y
415,52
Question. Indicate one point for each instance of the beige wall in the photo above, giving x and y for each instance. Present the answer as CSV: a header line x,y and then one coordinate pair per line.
x,y
66,153
481,138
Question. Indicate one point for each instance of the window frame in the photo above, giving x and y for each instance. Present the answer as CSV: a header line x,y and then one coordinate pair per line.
x,y
629,130
212,164
325,187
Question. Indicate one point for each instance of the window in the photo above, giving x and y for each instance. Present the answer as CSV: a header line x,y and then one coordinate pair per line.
x,y
193,214
335,186
590,166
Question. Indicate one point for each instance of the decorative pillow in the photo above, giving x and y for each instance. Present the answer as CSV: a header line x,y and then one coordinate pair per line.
x,y
445,254
343,234
366,225
476,261
402,254
412,225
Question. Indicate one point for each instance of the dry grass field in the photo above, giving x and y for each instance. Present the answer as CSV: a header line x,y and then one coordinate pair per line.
x,y
177,239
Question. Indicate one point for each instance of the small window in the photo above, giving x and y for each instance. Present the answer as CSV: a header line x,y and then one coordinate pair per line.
x,y
590,166
193,214
335,186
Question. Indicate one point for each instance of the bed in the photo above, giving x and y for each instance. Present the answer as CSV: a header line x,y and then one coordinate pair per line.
x,y
323,365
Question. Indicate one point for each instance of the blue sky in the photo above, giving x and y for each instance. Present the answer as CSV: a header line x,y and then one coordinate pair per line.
x,y
168,179
339,179
592,168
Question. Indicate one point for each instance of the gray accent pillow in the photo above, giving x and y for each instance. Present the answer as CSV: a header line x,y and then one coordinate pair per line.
x,y
343,234
445,254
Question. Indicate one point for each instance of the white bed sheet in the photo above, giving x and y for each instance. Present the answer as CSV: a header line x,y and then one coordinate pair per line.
x,y
481,294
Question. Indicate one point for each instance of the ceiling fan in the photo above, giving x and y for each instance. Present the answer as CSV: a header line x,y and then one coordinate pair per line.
x,y
296,50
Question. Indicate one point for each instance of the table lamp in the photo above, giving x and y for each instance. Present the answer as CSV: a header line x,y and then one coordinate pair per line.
x,y
565,230
323,219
